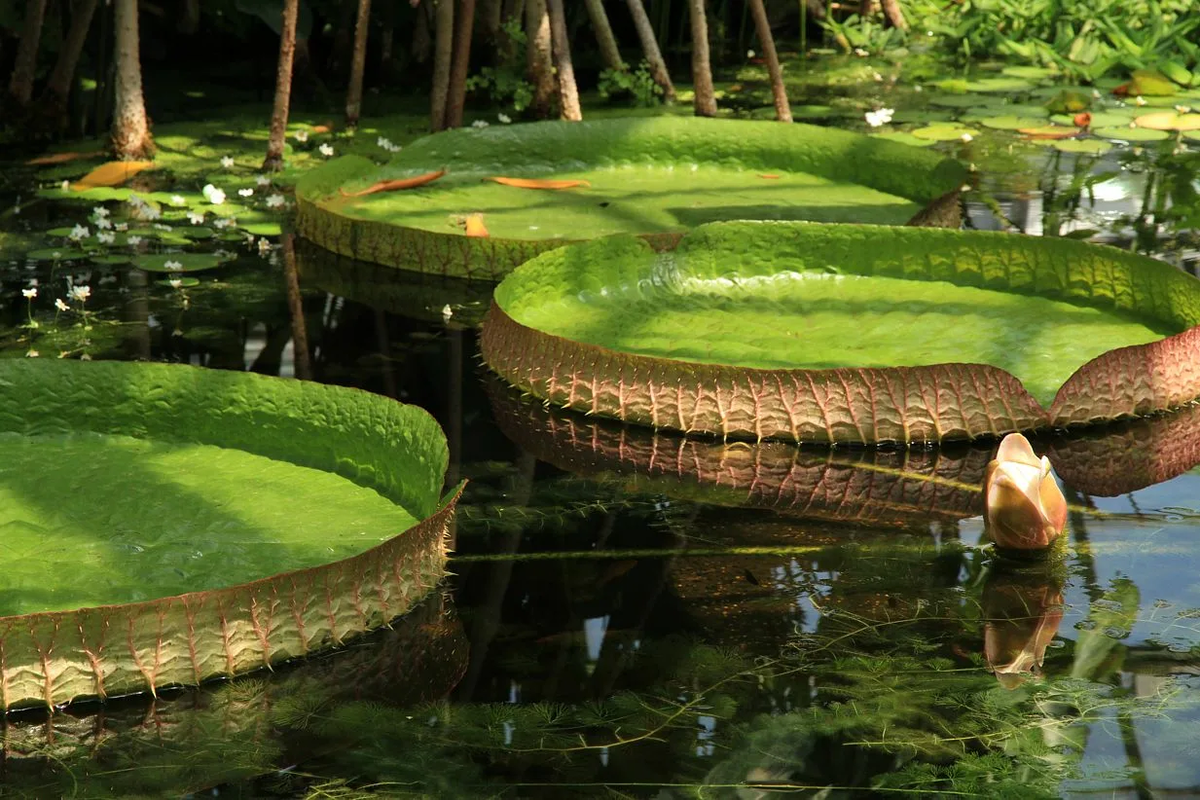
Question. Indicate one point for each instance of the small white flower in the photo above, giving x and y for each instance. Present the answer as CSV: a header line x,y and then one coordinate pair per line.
x,y
134,200
966,137
105,237
301,136
750,54
1139,101
505,119
880,117
134,240
29,293
858,51
172,266
100,211
326,150
247,192
918,88
32,354
56,254
264,246
227,162
196,217
65,186
274,201
1183,109
1095,94
175,283
479,123
85,357
61,306
78,232
178,200
212,194
447,312
121,226
148,212
103,224
876,77
249,238
263,180
224,222
159,226
81,293
384,142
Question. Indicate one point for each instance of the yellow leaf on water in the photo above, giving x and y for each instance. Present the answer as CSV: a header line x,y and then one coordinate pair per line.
x,y
114,173
475,226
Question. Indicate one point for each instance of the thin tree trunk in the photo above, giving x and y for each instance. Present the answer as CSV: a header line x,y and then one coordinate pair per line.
x,y
783,111
21,85
705,102
513,9
130,130
443,50
387,36
893,14
283,86
358,63
539,63
189,23
58,87
462,61
490,15
658,67
609,52
866,8
422,42
568,92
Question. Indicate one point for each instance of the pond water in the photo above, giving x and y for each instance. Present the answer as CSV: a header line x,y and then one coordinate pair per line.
x,y
640,616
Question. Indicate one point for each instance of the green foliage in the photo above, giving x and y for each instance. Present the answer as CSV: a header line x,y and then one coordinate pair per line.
x,y
505,84
636,83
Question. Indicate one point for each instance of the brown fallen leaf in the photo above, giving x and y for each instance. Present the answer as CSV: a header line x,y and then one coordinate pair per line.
x,y
538,183
769,176
394,185
475,226
59,158
113,173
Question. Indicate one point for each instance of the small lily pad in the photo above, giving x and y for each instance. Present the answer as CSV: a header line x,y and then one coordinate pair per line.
x,y
1029,73
1086,146
112,258
1099,119
904,138
185,282
1051,132
195,232
943,133
1008,122
64,231
1007,85
54,254
959,100
1125,133
1169,121
188,262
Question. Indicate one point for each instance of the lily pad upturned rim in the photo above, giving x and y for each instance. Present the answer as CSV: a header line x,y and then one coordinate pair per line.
x,y
538,149
939,402
51,658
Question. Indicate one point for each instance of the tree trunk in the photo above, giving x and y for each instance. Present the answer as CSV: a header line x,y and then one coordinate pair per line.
x,y
539,64
21,85
283,87
490,15
422,42
443,50
462,62
705,102
893,14
866,8
189,23
658,67
358,63
609,52
783,111
58,87
568,93
130,130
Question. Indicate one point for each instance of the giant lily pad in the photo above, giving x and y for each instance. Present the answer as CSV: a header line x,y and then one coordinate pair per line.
x,y
848,333
654,177
166,524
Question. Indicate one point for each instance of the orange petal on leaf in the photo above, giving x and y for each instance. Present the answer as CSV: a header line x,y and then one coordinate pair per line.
x,y
59,158
114,173
769,176
399,183
538,183
324,128
475,226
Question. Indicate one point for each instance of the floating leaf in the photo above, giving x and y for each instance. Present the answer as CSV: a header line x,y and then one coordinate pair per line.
x,y
1127,134
1091,146
1029,73
903,138
1051,132
112,259
539,183
1099,119
1007,85
396,185
958,100
184,282
1169,121
1009,122
54,254
1150,82
114,173
943,133
188,262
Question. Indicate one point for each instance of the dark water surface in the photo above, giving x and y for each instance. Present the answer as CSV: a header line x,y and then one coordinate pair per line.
x,y
642,616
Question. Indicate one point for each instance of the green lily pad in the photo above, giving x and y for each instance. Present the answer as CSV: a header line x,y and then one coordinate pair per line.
x,y
1020,110
55,254
63,231
794,331
1169,121
1011,123
194,232
655,177
1100,119
1029,73
943,133
188,262
904,138
1088,146
184,282
1006,85
961,100
246,520
112,259
1127,134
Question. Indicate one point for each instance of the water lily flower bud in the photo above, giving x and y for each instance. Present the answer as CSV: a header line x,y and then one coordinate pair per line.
x,y
1023,507
1023,611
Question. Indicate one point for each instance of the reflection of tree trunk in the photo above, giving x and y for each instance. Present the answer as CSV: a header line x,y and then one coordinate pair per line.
x,y
539,66
58,87
296,306
457,96
137,311
189,23
658,67
443,50
130,129
21,85
783,111
358,64
893,14
283,86
705,101
610,54
568,93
